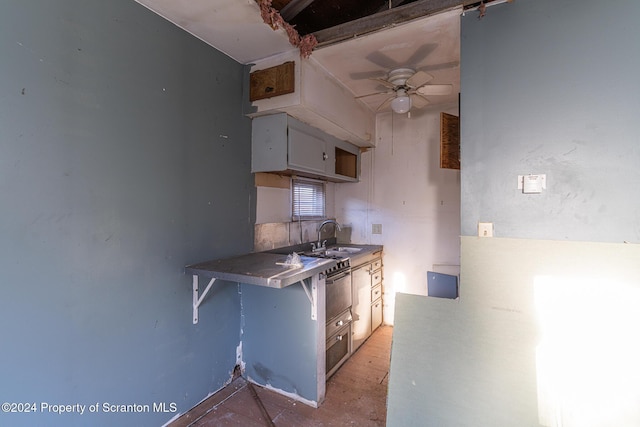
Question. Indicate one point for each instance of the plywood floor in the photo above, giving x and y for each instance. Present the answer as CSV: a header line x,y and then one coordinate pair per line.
x,y
356,396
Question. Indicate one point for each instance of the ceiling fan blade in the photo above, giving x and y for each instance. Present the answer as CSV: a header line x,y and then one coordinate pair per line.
x,y
418,79
421,53
418,100
441,66
385,104
382,60
435,89
384,82
374,94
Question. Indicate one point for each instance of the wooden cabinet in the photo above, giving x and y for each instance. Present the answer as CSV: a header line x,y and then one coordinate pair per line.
x,y
367,300
283,144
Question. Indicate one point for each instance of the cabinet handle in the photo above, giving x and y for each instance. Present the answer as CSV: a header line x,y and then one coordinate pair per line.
x,y
339,338
339,323
324,156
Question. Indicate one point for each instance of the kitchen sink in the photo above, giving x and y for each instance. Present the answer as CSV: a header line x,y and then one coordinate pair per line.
x,y
344,252
347,249
331,252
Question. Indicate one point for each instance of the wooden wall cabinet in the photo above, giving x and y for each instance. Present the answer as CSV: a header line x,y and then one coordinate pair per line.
x,y
449,141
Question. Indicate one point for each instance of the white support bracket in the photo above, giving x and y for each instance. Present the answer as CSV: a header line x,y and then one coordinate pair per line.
x,y
313,297
197,300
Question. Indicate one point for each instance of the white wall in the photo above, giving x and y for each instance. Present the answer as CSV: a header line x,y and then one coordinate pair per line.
x,y
418,204
274,228
274,204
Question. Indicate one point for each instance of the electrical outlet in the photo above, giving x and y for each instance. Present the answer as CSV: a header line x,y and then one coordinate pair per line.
x,y
376,228
485,229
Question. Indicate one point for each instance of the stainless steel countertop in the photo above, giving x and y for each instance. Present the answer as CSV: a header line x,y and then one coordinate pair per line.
x,y
260,269
365,255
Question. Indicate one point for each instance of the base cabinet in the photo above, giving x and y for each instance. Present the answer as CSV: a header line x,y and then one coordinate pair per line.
x,y
376,314
376,294
361,282
367,300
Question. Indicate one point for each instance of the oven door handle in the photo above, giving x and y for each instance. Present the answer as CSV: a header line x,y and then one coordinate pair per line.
x,y
333,279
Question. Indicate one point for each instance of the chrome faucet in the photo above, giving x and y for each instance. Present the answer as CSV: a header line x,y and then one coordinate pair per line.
x,y
322,245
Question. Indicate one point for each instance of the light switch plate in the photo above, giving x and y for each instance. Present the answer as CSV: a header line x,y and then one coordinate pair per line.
x,y
376,228
535,183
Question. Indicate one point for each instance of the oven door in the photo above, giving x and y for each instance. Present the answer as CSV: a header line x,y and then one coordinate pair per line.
x,y
338,349
338,294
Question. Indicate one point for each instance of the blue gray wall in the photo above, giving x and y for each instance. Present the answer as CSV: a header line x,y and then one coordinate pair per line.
x,y
552,88
548,87
124,156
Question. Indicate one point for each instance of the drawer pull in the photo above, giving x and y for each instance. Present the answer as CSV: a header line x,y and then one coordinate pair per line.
x,y
339,338
339,323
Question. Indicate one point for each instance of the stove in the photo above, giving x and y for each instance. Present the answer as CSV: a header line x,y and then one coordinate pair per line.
x,y
343,264
338,311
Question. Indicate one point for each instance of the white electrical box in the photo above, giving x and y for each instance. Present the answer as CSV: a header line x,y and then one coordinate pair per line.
x,y
485,229
532,184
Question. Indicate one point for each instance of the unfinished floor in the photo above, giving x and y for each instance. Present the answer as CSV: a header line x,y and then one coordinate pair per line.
x,y
356,396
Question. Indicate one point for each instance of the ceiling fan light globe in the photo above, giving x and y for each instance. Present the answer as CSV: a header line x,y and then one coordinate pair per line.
x,y
401,104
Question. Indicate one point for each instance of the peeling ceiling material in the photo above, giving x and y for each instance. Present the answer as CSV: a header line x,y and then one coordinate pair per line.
x,y
271,17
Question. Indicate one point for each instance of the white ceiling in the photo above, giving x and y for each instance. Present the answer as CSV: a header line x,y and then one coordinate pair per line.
x,y
235,28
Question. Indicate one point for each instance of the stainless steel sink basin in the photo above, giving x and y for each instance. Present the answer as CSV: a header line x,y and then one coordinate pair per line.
x,y
342,251
348,249
331,252
336,253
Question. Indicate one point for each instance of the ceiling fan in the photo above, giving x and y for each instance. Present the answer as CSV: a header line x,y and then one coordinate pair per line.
x,y
407,88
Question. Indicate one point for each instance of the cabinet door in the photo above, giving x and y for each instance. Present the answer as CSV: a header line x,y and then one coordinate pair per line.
x,y
376,314
361,326
269,143
306,148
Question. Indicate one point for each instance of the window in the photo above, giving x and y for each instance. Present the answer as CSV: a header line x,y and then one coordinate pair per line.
x,y
308,199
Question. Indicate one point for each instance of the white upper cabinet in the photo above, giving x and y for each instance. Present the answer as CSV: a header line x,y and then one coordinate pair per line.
x,y
317,99
281,143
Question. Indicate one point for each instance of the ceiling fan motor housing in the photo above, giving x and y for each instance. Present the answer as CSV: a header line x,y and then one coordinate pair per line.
x,y
399,76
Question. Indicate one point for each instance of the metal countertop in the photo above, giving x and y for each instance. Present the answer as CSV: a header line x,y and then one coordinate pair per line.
x,y
260,269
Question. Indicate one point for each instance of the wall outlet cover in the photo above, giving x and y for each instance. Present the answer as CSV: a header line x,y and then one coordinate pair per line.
x,y
485,229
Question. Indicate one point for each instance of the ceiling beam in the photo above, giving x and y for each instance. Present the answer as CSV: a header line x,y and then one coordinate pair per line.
x,y
418,9
390,5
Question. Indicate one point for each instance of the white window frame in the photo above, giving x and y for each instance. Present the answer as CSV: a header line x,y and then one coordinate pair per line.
x,y
314,199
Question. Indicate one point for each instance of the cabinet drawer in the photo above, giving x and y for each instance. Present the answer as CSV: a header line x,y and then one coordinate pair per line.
x,y
376,314
376,278
376,265
376,292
